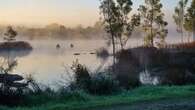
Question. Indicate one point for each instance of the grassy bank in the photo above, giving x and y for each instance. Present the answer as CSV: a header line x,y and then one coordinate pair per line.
x,y
80,100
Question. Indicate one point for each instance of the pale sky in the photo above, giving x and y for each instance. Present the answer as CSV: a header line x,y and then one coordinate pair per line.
x,y
68,12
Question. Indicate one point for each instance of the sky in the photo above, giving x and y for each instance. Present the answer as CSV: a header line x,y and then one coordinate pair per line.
x,y
70,13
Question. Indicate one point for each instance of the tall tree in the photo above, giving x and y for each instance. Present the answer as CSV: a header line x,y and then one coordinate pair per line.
x,y
124,9
189,23
109,11
179,16
117,22
152,20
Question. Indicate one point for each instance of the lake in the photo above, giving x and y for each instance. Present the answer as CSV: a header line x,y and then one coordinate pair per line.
x,y
49,64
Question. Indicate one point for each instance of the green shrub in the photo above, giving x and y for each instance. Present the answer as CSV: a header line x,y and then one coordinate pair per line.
x,y
99,84
103,84
82,76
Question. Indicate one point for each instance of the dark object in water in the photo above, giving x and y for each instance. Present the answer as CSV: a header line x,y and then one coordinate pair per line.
x,y
102,53
58,46
92,53
77,53
18,45
71,45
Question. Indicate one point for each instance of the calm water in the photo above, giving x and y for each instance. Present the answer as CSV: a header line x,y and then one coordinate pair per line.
x,y
48,64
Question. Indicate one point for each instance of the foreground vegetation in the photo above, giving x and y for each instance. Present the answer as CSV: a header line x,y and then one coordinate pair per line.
x,y
49,100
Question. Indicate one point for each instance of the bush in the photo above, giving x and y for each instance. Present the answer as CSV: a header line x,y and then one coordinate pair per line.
x,y
82,77
102,84
177,76
99,84
127,69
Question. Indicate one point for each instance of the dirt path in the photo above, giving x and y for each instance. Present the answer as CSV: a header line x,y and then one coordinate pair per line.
x,y
157,105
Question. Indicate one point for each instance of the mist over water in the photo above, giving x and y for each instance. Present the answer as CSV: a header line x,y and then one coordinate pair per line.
x,y
48,64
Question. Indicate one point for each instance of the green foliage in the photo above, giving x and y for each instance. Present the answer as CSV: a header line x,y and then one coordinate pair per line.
x,y
102,83
123,8
82,76
152,20
109,11
179,16
116,19
189,17
110,14
98,83
115,14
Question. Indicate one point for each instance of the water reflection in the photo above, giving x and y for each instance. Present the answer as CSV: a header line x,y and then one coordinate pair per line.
x,y
47,63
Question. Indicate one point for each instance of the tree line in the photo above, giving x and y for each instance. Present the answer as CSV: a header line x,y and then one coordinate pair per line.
x,y
57,31
119,24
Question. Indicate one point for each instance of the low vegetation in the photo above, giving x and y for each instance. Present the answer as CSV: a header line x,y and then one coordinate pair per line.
x,y
93,83
101,89
50,100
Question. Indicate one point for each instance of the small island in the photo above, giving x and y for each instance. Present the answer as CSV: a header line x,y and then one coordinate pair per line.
x,y
16,45
11,44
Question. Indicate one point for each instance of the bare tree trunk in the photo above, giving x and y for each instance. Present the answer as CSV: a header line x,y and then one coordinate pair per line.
x,y
121,43
113,40
182,40
188,37
152,36
182,21
194,29
114,52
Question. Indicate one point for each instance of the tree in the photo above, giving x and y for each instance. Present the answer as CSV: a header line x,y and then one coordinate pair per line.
x,y
125,25
10,34
179,16
152,20
189,23
109,11
124,9
117,22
